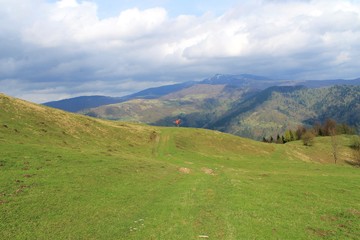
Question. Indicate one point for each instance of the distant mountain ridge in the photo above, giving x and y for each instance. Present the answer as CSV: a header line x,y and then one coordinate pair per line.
x,y
245,105
78,103
327,83
237,80
84,102
81,103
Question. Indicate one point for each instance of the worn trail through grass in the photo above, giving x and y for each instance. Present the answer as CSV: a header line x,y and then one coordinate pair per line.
x,y
94,179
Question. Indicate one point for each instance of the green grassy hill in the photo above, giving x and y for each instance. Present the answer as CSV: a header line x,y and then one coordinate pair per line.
x,y
67,176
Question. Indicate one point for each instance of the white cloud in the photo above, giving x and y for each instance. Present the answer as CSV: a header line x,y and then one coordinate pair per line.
x,y
67,4
66,44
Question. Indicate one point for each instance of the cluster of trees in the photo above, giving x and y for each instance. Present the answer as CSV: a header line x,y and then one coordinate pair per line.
x,y
291,135
329,128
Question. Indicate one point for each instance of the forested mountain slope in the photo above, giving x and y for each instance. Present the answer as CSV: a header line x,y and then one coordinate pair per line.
x,y
279,108
242,111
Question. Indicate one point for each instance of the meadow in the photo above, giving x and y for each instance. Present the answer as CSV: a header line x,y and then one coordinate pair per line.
x,y
66,176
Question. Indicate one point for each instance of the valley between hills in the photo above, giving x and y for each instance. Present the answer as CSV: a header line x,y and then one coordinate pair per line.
x,y
245,105
70,176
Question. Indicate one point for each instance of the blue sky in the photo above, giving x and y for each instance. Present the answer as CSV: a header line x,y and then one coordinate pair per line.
x,y
108,8
52,50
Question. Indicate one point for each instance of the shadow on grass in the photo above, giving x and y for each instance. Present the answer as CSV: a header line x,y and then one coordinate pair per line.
x,y
353,163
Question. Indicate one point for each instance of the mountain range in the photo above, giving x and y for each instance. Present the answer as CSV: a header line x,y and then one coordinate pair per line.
x,y
246,105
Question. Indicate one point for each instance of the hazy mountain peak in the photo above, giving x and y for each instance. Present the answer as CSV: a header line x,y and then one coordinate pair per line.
x,y
230,79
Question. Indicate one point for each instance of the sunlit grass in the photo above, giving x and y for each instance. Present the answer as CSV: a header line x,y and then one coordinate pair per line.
x,y
112,180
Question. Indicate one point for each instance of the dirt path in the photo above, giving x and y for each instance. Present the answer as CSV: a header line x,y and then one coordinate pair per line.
x,y
160,143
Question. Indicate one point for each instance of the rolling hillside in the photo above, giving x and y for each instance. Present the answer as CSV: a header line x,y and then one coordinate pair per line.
x,y
202,102
67,176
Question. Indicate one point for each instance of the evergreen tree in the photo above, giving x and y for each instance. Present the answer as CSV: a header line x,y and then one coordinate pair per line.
x,y
292,137
320,132
288,136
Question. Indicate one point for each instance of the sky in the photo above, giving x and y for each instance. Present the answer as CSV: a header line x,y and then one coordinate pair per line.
x,y
51,50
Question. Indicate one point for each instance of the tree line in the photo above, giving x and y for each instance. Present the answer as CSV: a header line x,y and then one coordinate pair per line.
x,y
328,128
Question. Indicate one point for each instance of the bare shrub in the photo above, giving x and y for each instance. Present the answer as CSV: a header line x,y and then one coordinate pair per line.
x,y
355,145
308,138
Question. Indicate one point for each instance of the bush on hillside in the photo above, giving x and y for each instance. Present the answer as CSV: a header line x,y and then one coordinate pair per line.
x,y
308,138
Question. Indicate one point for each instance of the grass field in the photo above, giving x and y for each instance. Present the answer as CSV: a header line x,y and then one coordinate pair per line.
x,y
65,176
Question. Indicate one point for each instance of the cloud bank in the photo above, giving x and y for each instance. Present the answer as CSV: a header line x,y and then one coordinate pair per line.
x,y
63,49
